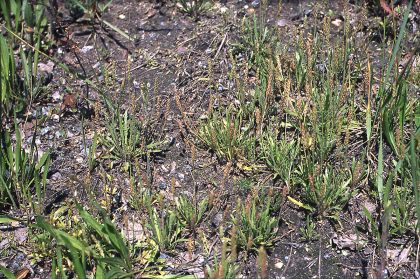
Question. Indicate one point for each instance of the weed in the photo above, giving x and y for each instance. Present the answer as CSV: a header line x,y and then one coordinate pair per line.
x,y
325,189
22,16
308,231
92,157
245,185
280,156
194,7
414,163
107,254
225,269
9,79
126,138
142,198
395,124
7,273
20,86
166,229
403,210
255,226
23,174
94,9
227,136
190,212
257,41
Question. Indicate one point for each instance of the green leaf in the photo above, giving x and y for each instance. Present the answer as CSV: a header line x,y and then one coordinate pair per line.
x,y
28,14
7,273
379,175
4,219
91,222
42,161
415,174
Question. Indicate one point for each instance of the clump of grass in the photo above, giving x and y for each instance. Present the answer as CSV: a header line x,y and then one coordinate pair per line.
x,y
23,174
106,252
130,135
257,42
308,231
194,7
142,198
280,156
190,213
20,87
125,140
226,134
255,227
326,190
226,268
166,229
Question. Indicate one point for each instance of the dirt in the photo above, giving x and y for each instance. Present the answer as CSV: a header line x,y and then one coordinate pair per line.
x,y
174,51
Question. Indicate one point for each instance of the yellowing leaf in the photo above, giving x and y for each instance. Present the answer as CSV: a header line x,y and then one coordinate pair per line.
x,y
300,204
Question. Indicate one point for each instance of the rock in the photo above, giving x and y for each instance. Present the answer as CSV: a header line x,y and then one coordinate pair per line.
x,y
279,265
21,235
56,176
173,166
121,16
181,50
282,22
4,243
86,49
46,68
162,185
337,22
398,256
45,131
56,96
164,169
251,11
350,241
134,230
217,220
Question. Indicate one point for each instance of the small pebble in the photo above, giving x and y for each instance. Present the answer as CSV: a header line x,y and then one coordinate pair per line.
x,y
121,16
282,22
56,176
279,265
86,49
337,22
56,96
162,185
45,131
